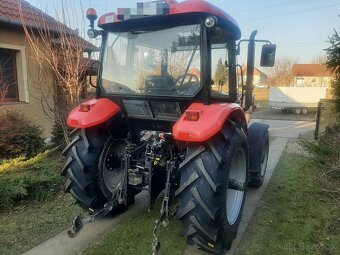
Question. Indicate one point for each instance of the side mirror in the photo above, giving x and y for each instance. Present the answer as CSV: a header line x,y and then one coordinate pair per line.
x,y
268,55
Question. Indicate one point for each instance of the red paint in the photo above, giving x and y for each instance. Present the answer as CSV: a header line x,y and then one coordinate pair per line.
x,y
188,6
192,6
100,111
211,121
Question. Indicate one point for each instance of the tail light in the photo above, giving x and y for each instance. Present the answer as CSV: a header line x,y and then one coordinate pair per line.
x,y
192,115
84,107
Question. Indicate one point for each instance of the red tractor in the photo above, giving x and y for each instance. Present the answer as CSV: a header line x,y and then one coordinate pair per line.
x,y
169,115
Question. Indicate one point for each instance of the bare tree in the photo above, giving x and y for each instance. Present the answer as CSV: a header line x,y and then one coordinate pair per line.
x,y
319,59
57,50
281,74
3,90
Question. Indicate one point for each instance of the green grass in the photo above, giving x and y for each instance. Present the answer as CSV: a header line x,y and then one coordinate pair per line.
x,y
29,224
135,237
33,207
295,216
33,179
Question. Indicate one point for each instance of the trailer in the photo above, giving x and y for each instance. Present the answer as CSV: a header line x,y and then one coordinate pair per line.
x,y
296,99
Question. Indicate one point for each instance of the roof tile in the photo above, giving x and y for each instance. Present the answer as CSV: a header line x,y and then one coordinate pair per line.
x,y
10,15
314,70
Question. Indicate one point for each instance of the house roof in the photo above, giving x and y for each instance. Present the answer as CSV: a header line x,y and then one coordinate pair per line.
x,y
256,71
317,70
10,11
10,15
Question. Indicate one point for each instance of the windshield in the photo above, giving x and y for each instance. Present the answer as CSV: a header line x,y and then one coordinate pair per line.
x,y
162,62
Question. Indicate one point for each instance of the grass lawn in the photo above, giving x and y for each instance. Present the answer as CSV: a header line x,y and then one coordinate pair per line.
x,y
135,237
34,207
31,223
294,217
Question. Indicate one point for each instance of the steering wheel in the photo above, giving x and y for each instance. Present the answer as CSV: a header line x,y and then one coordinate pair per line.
x,y
185,87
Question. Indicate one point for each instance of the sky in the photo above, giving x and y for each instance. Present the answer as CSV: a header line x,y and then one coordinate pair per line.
x,y
300,28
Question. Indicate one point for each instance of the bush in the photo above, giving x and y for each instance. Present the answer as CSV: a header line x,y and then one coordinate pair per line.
x,y
19,136
325,154
37,178
58,139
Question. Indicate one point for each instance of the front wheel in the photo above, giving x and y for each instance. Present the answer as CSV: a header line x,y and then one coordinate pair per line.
x,y
212,190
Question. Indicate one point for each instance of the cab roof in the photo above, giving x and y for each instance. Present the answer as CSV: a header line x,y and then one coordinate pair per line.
x,y
174,14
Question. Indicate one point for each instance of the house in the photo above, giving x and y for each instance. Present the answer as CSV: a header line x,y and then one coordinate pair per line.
x,y
312,75
260,78
19,71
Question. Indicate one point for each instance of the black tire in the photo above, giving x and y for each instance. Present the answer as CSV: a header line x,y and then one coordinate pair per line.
x,y
81,168
203,190
258,139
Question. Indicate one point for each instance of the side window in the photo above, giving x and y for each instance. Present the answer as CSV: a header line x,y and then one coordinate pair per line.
x,y
219,62
219,70
8,75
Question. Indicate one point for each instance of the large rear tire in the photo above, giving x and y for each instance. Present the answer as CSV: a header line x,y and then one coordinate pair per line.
x,y
210,207
83,168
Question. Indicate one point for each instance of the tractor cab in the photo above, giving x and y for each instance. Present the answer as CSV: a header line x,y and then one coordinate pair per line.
x,y
157,59
167,55
169,115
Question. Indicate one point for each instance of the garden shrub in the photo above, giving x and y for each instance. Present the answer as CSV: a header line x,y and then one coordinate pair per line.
x,y
19,136
58,139
325,154
37,178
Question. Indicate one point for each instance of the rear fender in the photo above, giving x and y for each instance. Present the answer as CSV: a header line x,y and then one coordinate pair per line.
x,y
211,120
100,110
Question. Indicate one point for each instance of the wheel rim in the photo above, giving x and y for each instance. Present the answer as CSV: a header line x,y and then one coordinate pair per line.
x,y
264,159
297,111
238,173
113,168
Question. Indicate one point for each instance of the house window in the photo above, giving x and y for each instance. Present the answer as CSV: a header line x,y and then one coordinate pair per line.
x,y
8,75
300,82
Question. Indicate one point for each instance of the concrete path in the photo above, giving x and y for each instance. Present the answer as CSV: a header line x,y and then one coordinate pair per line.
x,y
280,131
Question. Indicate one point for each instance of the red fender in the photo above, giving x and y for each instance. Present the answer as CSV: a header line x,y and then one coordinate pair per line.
x,y
96,111
211,120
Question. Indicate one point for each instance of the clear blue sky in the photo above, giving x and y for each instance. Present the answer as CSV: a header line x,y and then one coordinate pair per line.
x,y
300,28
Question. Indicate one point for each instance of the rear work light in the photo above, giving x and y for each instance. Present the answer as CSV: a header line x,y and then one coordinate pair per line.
x,y
142,10
192,115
